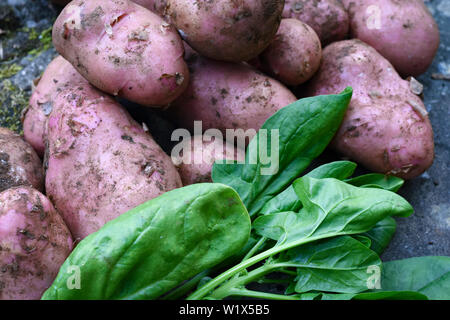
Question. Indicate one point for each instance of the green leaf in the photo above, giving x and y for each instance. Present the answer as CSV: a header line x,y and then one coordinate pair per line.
x,y
427,275
288,199
381,234
377,180
304,130
381,295
153,248
330,208
338,264
364,240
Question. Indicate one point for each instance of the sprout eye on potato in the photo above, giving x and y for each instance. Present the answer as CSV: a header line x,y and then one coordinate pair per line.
x,y
123,49
34,242
386,127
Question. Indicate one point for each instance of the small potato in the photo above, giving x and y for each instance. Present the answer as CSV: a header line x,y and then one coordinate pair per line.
x,y
294,55
34,242
386,127
403,31
328,18
19,163
227,96
123,49
198,155
226,30
101,163
58,73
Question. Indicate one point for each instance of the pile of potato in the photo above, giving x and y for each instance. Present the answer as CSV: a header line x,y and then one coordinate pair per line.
x,y
229,64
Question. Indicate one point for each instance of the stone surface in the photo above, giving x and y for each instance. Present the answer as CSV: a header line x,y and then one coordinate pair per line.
x,y
24,27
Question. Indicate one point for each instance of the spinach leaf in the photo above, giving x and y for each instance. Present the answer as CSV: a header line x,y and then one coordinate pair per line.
x,y
381,295
153,248
381,234
377,180
301,132
330,208
335,265
288,199
427,275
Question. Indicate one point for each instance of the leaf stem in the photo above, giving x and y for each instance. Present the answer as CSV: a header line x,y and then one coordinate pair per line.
x,y
260,295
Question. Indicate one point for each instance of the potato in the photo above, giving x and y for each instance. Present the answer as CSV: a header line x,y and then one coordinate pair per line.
x,y
286,60
123,49
101,163
328,18
34,242
403,31
157,6
198,155
386,127
226,30
58,73
226,95
19,163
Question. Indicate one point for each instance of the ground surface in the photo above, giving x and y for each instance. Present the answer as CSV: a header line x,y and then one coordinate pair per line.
x,y
25,50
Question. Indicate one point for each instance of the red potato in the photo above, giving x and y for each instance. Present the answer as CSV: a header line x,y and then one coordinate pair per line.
x,y
197,157
294,55
227,96
123,49
403,31
101,163
19,163
386,127
157,6
226,30
328,18
34,243
58,73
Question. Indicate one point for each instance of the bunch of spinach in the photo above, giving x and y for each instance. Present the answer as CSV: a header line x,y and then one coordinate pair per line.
x,y
320,235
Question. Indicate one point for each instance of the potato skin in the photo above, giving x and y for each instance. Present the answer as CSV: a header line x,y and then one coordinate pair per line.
x,y
123,49
157,6
405,34
328,18
34,242
386,127
19,163
101,163
286,60
226,95
204,151
227,30
58,73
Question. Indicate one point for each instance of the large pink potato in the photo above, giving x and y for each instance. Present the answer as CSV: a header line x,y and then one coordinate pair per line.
x,y
19,163
101,163
403,31
123,49
58,73
226,95
226,30
328,18
195,157
386,127
294,55
34,242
